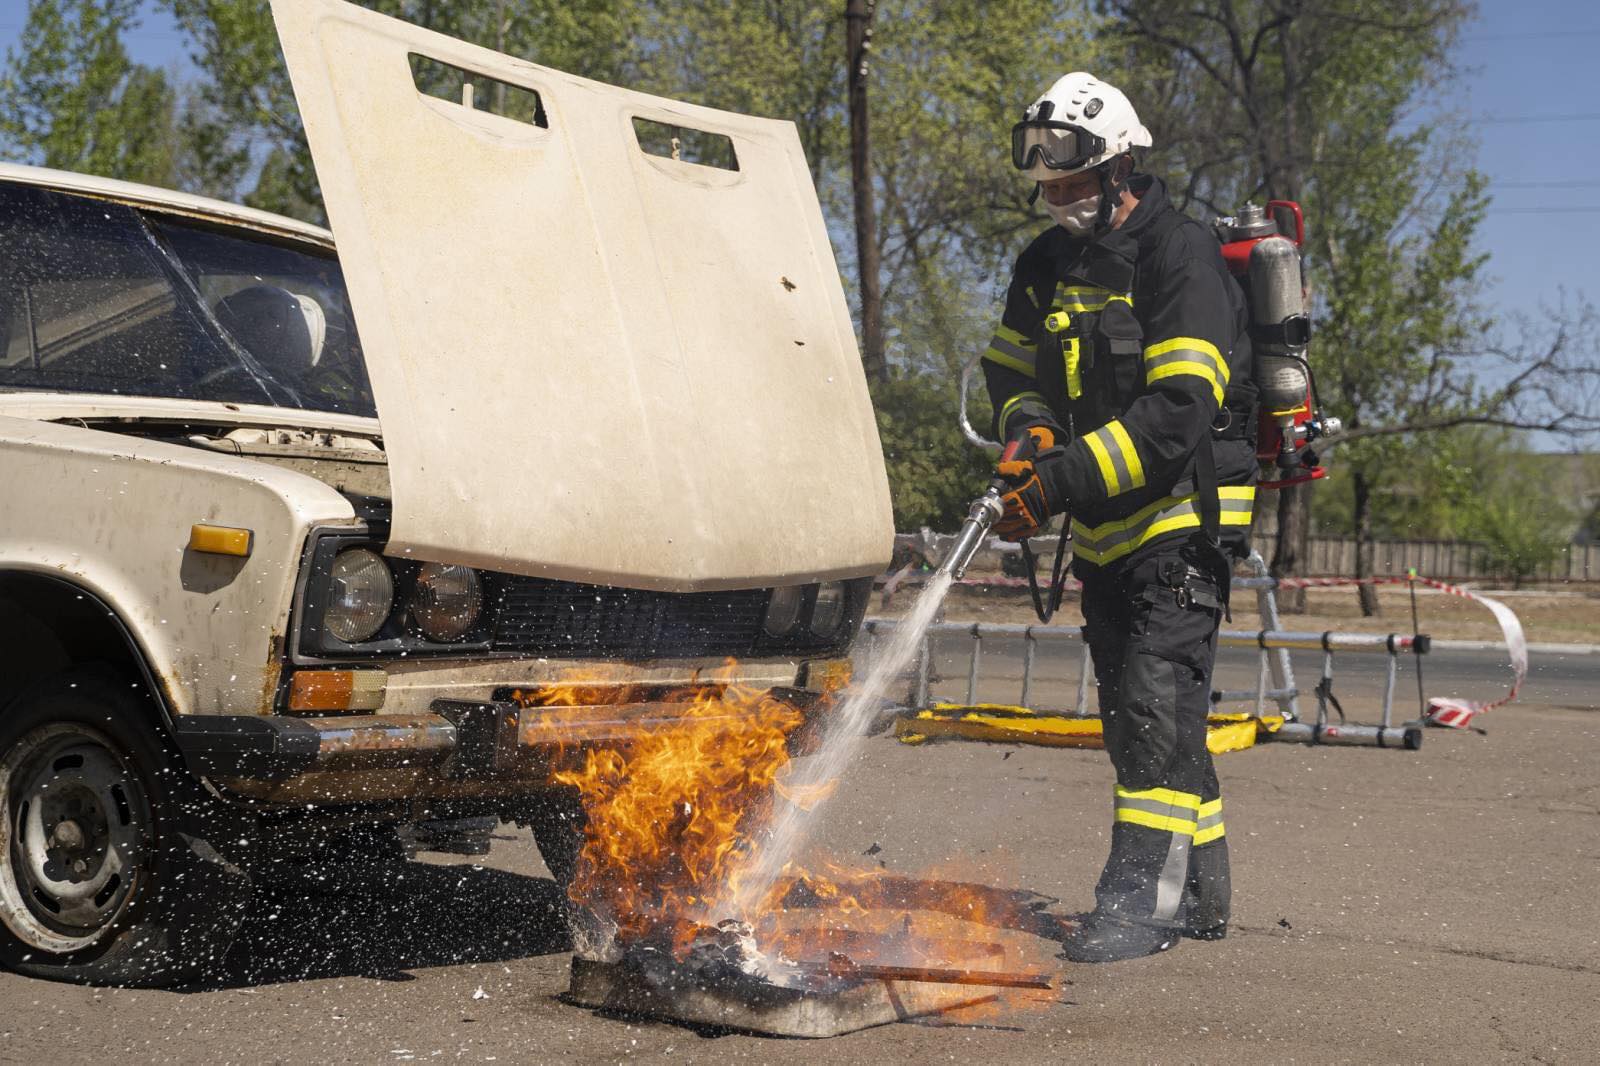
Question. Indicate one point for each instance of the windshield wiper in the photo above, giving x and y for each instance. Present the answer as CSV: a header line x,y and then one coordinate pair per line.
x,y
262,377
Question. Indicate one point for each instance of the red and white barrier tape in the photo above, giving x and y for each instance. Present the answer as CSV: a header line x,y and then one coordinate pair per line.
x,y
1446,710
1442,710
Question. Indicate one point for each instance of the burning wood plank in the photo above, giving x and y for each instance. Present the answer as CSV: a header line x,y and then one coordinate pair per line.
x,y
844,966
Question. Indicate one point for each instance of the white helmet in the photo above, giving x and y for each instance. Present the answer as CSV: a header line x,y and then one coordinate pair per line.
x,y
1079,123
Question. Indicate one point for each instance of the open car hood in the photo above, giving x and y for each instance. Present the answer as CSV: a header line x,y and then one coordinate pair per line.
x,y
590,362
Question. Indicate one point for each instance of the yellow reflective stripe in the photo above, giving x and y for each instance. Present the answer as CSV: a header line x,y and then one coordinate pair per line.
x,y
1088,297
1071,354
1194,344
1209,826
1011,405
1108,473
1199,370
1187,355
995,355
1155,821
1165,809
1208,834
1169,796
1033,297
1112,540
1130,454
1118,459
1006,333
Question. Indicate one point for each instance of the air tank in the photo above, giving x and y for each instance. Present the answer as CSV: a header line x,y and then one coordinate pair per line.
x,y
1282,329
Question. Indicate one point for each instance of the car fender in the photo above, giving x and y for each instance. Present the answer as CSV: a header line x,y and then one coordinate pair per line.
x,y
112,514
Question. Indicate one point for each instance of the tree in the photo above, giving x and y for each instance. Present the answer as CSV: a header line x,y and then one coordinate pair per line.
x,y
1523,532
858,39
235,47
73,100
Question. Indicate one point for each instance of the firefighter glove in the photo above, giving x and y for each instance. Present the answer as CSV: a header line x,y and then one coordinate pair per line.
x,y
1035,480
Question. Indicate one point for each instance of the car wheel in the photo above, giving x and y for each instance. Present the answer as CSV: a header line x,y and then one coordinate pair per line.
x,y
106,873
558,822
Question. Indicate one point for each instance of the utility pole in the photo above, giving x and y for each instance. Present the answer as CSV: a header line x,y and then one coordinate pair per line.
x,y
500,46
858,41
1285,182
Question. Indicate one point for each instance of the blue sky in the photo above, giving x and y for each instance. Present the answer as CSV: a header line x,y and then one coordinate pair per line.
x,y
1531,74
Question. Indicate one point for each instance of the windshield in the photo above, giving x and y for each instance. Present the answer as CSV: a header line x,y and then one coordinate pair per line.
x,y
97,298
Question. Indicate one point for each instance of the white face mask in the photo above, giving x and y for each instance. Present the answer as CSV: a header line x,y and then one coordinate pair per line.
x,y
1077,218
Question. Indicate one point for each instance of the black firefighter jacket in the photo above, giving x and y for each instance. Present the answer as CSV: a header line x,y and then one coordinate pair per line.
x,y
1153,363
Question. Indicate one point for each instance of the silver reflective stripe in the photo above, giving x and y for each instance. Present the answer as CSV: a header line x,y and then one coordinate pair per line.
x,y
1016,351
1209,821
1119,462
1169,890
1014,405
1156,807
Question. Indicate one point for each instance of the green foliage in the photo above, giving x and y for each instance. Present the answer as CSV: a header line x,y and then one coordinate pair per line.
x,y
73,100
1521,539
1470,484
1523,528
253,115
933,472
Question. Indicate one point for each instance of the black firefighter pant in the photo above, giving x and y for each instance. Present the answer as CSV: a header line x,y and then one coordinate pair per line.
x,y
1152,630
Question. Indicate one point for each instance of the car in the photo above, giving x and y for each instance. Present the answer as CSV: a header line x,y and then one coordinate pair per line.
x,y
298,540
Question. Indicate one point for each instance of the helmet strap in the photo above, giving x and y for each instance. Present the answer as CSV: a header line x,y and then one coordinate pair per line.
x,y
1111,190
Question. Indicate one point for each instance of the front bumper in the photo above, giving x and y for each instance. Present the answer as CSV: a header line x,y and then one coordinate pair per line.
x,y
459,749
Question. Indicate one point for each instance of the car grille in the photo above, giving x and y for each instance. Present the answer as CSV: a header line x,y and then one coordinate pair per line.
x,y
559,618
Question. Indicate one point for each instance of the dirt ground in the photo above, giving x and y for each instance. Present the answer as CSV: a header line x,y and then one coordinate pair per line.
x,y
1563,616
1390,906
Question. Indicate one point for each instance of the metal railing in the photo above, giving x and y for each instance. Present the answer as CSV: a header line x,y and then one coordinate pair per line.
x,y
1275,683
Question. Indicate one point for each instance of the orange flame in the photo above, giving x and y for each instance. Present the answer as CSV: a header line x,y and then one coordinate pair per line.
x,y
670,812
671,815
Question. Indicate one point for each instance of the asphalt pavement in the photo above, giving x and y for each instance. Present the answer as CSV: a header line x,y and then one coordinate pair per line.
x,y
1390,906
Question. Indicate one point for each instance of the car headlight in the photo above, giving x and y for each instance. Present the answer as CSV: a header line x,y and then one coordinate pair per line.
x,y
447,601
361,595
783,611
827,612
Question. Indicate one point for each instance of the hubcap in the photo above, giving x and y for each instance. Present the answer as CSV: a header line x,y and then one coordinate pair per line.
x,y
78,824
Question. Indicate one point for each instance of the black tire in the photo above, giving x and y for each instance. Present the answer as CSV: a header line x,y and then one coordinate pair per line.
x,y
558,823
108,873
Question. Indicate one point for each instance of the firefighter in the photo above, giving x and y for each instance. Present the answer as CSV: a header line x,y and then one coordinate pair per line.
x,y
1122,369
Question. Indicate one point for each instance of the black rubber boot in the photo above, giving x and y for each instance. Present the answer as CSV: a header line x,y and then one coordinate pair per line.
x,y
1099,938
1207,893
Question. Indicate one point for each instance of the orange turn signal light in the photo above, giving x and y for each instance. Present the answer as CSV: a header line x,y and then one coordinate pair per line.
x,y
827,675
337,690
221,540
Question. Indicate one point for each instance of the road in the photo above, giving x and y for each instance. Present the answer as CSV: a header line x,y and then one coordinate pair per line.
x,y
1428,906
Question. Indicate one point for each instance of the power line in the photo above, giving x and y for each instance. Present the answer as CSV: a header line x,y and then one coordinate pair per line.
x,y
1531,36
1581,116
1580,210
1565,183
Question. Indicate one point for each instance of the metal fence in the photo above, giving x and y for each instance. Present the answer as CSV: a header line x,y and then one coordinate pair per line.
x,y
1275,687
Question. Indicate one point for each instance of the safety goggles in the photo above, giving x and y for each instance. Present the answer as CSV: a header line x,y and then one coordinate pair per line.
x,y
1058,145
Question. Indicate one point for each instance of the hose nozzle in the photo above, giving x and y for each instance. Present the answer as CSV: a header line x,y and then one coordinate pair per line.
x,y
984,513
